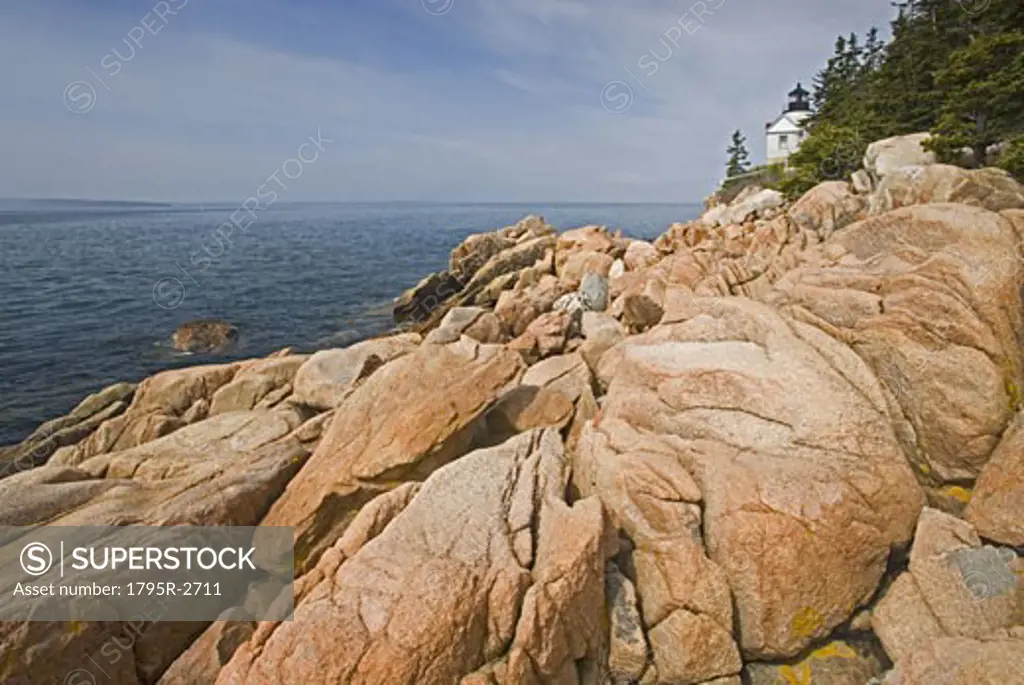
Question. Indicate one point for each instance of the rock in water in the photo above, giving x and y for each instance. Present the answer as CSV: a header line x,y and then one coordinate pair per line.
x,y
416,304
204,335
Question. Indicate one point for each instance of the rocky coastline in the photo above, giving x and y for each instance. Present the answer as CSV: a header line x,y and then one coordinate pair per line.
x,y
782,444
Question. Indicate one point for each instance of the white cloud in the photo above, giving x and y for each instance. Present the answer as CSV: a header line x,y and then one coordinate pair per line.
x,y
201,116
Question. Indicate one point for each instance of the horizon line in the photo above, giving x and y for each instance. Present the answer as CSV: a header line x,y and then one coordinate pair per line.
x,y
229,203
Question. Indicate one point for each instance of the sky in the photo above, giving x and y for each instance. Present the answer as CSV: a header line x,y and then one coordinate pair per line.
x,y
420,100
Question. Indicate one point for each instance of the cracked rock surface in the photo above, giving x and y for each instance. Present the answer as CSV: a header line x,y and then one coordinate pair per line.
x,y
486,575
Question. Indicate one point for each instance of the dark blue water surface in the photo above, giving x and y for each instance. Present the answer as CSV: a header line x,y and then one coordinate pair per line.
x,y
90,292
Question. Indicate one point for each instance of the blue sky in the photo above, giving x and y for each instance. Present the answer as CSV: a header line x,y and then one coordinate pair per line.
x,y
441,100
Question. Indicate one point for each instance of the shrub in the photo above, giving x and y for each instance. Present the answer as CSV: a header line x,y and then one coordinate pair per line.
x,y
1012,158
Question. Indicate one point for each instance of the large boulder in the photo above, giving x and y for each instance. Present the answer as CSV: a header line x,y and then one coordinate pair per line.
x,y
827,208
410,417
486,576
996,508
328,377
223,471
886,156
927,296
709,456
993,189
753,205
204,336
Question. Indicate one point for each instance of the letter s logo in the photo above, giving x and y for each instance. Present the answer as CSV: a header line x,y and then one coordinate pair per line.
x,y
79,97
36,559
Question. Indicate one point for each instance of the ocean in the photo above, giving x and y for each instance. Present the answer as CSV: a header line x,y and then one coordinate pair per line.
x,y
90,292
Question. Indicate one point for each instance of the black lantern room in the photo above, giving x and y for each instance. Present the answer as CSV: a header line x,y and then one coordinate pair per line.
x,y
798,100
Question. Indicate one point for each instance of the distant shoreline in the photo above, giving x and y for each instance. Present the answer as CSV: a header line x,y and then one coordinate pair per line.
x,y
78,204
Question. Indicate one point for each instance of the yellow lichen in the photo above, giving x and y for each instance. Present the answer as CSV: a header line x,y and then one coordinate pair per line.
x,y
807,622
838,649
796,675
802,673
1013,392
962,495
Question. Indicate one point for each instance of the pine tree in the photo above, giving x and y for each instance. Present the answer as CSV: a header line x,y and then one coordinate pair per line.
x,y
827,80
904,93
999,16
739,158
984,96
953,67
874,50
852,58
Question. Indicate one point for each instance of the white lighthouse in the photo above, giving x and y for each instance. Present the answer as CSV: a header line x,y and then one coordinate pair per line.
x,y
784,135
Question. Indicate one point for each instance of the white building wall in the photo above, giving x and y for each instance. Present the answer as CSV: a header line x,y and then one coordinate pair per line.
x,y
785,136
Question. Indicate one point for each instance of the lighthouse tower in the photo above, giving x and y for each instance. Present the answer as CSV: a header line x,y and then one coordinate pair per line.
x,y
784,135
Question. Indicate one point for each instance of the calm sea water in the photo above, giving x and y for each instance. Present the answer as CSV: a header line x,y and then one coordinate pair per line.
x,y
90,293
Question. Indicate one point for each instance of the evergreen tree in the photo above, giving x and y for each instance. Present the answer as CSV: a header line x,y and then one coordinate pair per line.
x,y
852,59
874,51
843,74
999,16
739,158
904,94
983,85
953,67
827,80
